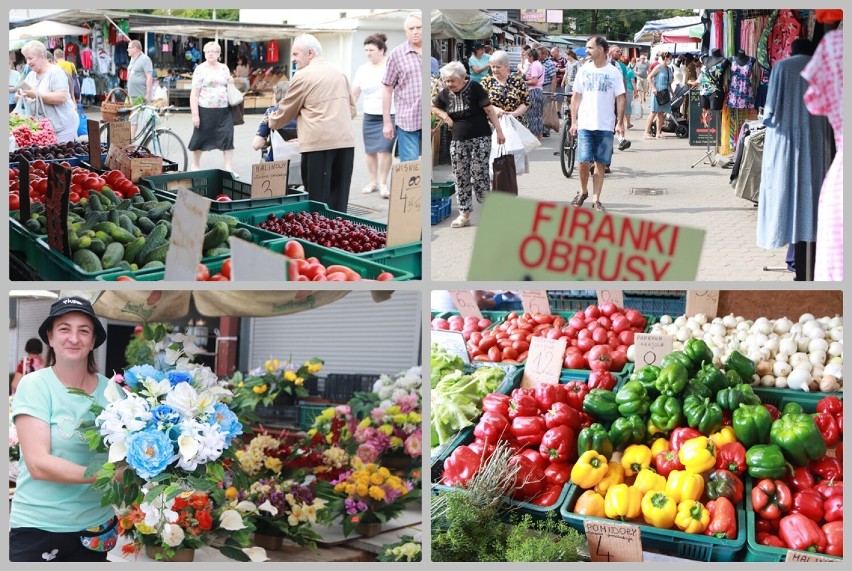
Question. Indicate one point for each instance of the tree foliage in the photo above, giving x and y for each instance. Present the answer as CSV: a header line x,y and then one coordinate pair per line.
x,y
232,15
614,24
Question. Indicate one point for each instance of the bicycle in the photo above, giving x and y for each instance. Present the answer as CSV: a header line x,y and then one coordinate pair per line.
x,y
161,141
567,142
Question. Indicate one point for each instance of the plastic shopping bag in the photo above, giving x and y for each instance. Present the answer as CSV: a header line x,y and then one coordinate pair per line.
x,y
635,109
513,146
529,140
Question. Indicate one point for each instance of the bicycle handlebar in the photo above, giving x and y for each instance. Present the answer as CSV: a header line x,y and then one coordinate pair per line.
x,y
160,110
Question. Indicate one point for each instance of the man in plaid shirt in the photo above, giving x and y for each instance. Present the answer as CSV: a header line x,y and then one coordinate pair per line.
x,y
403,81
549,76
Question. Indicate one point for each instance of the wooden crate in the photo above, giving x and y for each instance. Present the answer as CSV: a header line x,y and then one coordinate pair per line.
x,y
133,168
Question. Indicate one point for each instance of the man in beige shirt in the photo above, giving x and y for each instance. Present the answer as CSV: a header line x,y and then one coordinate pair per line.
x,y
319,99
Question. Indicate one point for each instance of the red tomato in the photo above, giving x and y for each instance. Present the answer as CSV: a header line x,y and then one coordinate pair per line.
x,y
626,337
599,335
226,268
387,276
294,250
14,202
202,273
223,198
74,197
40,185
125,279
38,164
118,194
218,278
337,277
592,312
608,308
574,359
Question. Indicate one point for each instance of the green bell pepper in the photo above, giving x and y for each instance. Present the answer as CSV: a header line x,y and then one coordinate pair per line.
x,y
698,351
627,430
702,414
672,379
632,398
733,378
767,461
792,408
738,362
711,376
679,357
647,375
698,388
595,437
799,438
666,412
732,398
600,403
751,424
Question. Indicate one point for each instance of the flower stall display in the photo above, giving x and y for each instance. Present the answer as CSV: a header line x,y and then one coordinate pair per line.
x,y
331,437
406,550
268,456
403,389
391,431
263,385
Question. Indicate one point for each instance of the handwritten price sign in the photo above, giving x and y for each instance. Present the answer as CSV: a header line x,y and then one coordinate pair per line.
x,y
616,296
613,541
544,362
189,223
452,342
702,301
404,211
535,301
466,303
806,557
651,348
269,180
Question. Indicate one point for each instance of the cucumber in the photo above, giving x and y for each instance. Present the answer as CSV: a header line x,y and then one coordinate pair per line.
x,y
125,222
32,225
144,223
97,247
131,215
73,240
154,264
231,221
123,204
156,238
113,216
149,204
138,212
108,193
107,227
83,243
132,250
87,260
216,236
113,254
121,235
95,201
158,254
157,212
242,234
146,194
137,199
219,251
103,237
37,208
124,266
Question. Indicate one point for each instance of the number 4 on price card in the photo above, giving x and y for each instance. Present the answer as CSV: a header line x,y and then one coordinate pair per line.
x,y
544,362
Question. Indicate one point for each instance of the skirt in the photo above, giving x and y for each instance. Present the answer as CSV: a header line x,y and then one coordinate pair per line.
x,y
216,130
535,113
374,138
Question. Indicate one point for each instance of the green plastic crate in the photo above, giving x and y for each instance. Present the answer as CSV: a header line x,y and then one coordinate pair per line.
x,y
673,542
212,183
21,239
308,412
328,256
443,189
53,266
407,257
496,317
781,397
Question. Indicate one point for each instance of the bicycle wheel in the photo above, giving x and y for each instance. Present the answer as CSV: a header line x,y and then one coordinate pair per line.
x,y
104,131
167,144
568,150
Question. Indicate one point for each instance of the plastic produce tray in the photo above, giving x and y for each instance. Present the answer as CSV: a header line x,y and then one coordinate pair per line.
x,y
368,269
443,189
441,208
51,265
674,542
496,317
339,388
308,412
781,397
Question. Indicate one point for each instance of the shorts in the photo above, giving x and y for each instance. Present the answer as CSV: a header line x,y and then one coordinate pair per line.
x,y
642,84
594,146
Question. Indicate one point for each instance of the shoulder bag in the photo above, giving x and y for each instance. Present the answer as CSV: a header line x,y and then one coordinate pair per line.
x,y
663,96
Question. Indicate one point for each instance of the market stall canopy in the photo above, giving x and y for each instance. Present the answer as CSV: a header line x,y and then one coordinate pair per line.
x,y
683,35
647,32
555,40
461,25
46,29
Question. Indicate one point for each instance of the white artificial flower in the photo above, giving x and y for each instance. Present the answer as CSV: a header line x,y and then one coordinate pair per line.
x,y
256,554
185,399
231,520
246,506
202,442
157,512
117,451
172,535
155,389
113,392
172,355
123,417
188,446
268,507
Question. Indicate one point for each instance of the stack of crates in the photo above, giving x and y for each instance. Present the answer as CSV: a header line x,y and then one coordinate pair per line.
x,y
340,388
441,208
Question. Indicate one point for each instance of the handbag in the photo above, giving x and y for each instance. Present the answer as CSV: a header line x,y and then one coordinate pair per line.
x,y
234,95
237,112
663,97
110,108
551,116
505,178
101,538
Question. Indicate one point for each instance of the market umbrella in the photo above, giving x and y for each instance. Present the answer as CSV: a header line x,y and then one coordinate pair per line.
x,y
47,28
683,35
460,25
647,32
555,40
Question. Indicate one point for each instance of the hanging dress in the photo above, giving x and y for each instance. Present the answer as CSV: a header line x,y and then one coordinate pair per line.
x,y
740,94
710,79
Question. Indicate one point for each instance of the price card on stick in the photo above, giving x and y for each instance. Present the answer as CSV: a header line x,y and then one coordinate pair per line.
x,y
119,134
544,362
807,557
535,301
404,223
614,295
189,224
56,208
613,541
269,180
651,348
452,342
466,303
253,263
702,301
94,128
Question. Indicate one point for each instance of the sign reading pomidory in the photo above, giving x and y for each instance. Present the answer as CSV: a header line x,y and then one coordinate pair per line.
x,y
521,239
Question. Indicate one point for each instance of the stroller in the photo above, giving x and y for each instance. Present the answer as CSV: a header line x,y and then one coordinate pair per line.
x,y
675,122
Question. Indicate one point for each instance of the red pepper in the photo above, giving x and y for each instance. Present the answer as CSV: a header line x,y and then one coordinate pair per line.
x,y
771,498
549,496
724,484
681,435
558,472
667,461
492,427
833,531
839,419
774,413
809,503
731,457
801,533
496,402
827,427
830,488
547,394
723,519
831,405
560,414
586,420
575,392
833,508
727,418
523,391
483,449
764,538
559,444
601,379
529,479
537,457
528,430
766,525
827,468
460,466
522,405
800,479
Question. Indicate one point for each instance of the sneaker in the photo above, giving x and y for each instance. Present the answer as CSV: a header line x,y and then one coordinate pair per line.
x,y
579,199
606,169
546,134
624,144
598,206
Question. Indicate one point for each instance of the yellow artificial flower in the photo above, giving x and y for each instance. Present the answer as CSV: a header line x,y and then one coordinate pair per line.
x,y
392,410
241,385
314,368
340,487
273,464
362,489
384,472
400,419
377,479
414,418
299,381
289,376
377,493
231,493
386,429
260,389
145,529
327,414
357,463
396,442
364,423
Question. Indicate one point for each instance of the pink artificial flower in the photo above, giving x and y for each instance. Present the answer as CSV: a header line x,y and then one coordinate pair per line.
x,y
376,414
368,453
408,403
414,444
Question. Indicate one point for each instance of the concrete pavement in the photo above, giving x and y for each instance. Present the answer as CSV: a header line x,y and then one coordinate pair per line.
x,y
699,197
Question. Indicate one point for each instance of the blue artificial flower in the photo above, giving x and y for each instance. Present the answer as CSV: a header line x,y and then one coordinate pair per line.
x,y
177,377
149,452
134,375
227,421
164,416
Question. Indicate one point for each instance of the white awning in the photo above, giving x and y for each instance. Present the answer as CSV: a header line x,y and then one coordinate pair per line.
x,y
496,30
647,31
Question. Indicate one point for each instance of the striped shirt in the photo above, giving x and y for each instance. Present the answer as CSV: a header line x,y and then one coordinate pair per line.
x,y
405,73
549,71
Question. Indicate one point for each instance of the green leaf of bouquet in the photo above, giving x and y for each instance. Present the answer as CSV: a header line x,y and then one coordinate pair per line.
x,y
154,492
172,491
234,553
148,332
159,333
216,471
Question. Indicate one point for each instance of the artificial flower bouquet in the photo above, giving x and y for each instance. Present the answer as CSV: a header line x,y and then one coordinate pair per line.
x,y
265,384
268,456
389,431
407,550
403,389
331,438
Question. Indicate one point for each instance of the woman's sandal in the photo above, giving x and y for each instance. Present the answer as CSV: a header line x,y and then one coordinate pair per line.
x,y
461,221
579,199
370,188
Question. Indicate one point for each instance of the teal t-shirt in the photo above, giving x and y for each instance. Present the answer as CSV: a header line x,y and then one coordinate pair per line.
x,y
54,506
473,61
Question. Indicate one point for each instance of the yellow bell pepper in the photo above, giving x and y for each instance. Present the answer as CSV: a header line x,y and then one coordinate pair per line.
x,y
682,485
660,445
647,480
725,435
590,503
623,502
590,469
692,517
697,455
652,429
635,458
659,509
614,475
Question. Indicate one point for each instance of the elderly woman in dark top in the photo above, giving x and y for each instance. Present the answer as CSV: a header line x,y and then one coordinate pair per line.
x,y
507,91
465,107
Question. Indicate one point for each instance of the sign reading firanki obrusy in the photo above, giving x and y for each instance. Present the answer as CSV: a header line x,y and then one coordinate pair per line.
x,y
613,541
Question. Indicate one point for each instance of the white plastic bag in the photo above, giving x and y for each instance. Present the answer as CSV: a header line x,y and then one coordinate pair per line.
x,y
635,109
288,151
513,145
529,140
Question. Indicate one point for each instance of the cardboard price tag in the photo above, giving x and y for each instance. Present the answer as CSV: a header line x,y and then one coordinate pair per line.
x,y
651,348
535,301
614,295
466,303
452,342
94,128
702,301
56,208
806,557
253,263
404,221
119,134
269,180
613,541
544,361
189,224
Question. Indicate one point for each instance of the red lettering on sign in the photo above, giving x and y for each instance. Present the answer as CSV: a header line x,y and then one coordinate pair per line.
x,y
635,233
606,231
585,257
561,250
659,272
634,266
533,242
581,221
541,215
673,245
616,270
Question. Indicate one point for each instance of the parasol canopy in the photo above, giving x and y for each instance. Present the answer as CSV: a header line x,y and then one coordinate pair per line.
x,y
683,35
45,29
646,34
461,25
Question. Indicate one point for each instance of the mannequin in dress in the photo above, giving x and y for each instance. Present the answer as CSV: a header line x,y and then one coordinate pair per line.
x,y
742,81
712,80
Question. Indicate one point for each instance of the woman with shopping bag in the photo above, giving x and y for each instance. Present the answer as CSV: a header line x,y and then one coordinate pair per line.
x,y
507,91
466,109
48,93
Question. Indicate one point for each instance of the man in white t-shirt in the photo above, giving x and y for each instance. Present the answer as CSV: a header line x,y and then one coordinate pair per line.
x,y
597,109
